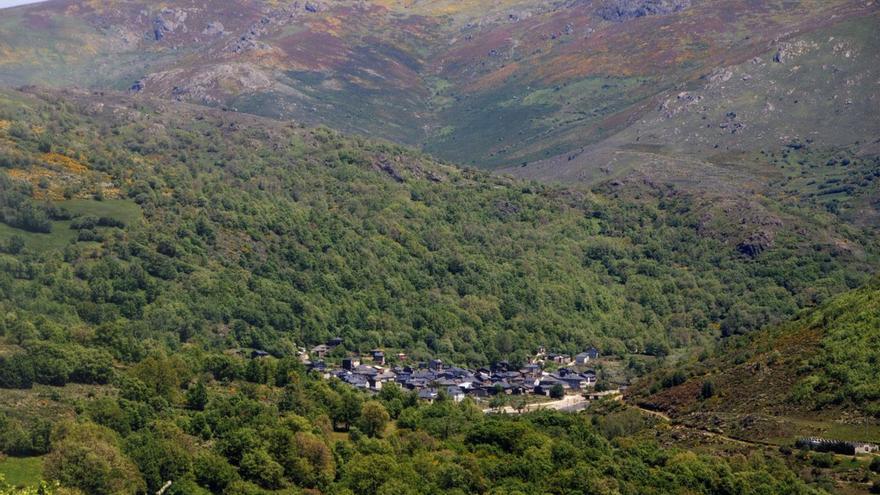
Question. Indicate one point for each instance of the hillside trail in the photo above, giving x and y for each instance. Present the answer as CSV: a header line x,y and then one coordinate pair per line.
x,y
722,436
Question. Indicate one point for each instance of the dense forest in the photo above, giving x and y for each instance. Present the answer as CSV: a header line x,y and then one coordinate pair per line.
x,y
246,232
143,243
216,424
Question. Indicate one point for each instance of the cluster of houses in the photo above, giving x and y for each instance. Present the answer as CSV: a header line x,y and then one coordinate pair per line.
x,y
432,378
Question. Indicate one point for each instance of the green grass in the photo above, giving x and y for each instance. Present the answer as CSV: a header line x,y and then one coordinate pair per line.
x,y
22,471
120,209
60,236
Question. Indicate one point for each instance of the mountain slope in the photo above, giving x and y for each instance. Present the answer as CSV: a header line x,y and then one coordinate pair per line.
x,y
514,82
263,233
815,90
812,376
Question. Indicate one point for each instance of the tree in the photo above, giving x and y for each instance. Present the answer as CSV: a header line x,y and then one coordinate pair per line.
x,y
557,391
346,410
16,371
374,418
307,460
708,390
197,396
259,467
159,458
15,244
366,473
87,456
214,471
498,401
19,330
161,375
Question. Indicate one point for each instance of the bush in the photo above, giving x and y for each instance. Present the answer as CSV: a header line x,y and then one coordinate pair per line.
x,y
87,456
214,472
16,371
675,379
708,390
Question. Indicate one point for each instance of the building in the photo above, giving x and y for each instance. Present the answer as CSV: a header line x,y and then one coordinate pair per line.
x,y
563,359
350,363
455,393
428,394
583,358
320,351
378,356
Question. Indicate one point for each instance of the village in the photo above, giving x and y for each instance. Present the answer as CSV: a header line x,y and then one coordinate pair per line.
x,y
571,376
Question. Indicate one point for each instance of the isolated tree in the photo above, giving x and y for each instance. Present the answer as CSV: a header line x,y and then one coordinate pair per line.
x,y
498,401
557,392
374,418
708,390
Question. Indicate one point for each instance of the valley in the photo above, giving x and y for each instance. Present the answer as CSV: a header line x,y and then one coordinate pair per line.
x,y
423,247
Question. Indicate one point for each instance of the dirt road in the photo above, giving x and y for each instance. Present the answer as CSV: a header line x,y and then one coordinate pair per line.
x,y
569,403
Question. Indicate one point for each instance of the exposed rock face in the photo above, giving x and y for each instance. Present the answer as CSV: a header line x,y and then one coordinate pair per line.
x,y
755,244
384,165
624,10
214,28
167,21
204,86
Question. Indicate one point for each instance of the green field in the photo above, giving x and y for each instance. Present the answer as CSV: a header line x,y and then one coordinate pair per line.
x,y
22,471
120,209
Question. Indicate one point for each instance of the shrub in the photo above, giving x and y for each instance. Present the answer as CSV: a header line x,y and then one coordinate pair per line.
x,y
708,390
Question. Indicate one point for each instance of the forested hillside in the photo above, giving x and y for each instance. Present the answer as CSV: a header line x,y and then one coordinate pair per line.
x,y
146,244
172,224
669,275
814,375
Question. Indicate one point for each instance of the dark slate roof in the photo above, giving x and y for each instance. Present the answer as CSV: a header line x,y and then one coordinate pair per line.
x,y
452,391
427,393
366,370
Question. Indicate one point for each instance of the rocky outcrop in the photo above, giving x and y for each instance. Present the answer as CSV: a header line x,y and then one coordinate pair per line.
x,y
166,21
384,165
624,10
214,29
209,84
756,243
